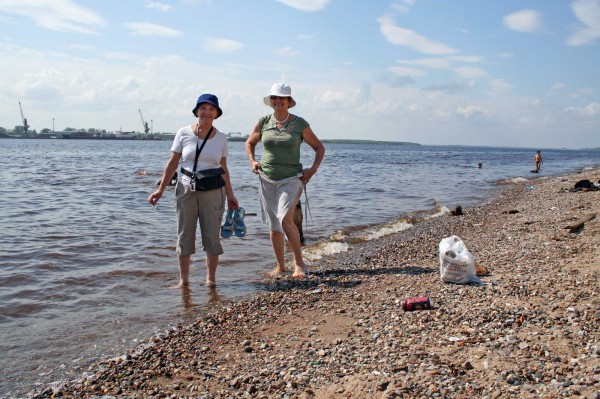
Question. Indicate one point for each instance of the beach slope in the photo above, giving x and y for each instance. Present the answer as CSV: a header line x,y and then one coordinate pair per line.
x,y
532,331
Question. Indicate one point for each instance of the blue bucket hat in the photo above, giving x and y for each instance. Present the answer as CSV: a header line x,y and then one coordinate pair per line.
x,y
210,99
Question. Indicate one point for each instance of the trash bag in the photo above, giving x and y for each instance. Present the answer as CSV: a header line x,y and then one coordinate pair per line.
x,y
456,262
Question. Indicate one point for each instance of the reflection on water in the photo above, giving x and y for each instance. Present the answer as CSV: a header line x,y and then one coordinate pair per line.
x,y
86,261
213,295
189,303
186,298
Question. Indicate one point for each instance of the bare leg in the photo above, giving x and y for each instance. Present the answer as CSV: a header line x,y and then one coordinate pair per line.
x,y
278,243
184,271
212,261
293,236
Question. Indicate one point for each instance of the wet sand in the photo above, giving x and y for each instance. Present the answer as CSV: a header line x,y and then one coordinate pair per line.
x,y
532,331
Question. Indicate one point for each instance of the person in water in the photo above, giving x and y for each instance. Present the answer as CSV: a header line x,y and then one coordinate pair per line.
x,y
537,159
199,150
281,175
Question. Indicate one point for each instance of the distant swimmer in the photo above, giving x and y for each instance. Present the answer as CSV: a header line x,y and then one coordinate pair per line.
x,y
538,161
468,165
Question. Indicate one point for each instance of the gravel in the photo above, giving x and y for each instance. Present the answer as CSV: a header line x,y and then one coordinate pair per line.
x,y
530,331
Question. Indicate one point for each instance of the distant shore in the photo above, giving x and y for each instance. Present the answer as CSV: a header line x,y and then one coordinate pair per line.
x,y
50,136
533,330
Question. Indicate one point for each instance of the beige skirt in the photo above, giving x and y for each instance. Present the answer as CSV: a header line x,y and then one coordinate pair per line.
x,y
277,198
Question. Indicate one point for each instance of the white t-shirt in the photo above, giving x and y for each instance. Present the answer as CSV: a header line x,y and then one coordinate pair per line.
x,y
210,158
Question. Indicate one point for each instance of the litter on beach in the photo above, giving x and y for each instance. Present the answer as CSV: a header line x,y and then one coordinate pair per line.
x,y
456,262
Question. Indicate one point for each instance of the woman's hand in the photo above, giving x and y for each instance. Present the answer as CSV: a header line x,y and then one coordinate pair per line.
x,y
307,174
255,167
232,203
154,197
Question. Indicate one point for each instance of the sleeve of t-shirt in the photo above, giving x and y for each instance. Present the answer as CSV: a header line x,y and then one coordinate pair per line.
x,y
303,123
177,145
225,150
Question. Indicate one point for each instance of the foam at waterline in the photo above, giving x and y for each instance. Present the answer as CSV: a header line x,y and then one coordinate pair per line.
x,y
385,230
317,251
442,210
517,179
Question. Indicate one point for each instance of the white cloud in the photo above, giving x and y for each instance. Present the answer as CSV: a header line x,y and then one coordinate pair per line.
x,y
218,45
406,71
411,39
470,72
59,15
287,51
434,63
306,5
440,63
500,84
402,7
588,13
505,55
331,97
524,21
585,91
469,111
158,6
453,87
148,29
591,109
121,56
81,47
465,58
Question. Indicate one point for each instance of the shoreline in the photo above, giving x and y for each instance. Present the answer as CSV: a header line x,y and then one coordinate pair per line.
x,y
532,331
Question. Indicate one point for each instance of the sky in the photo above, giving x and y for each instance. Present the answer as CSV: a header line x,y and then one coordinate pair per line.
x,y
515,73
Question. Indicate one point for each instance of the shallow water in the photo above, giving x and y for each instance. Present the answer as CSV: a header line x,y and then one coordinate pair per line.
x,y
85,261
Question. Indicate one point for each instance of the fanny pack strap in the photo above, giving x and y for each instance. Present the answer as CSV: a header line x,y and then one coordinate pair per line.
x,y
198,151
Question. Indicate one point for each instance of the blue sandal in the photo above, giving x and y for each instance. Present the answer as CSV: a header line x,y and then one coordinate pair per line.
x,y
227,228
239,227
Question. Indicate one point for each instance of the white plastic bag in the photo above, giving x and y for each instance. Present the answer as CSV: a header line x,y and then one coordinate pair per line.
x,y
456,262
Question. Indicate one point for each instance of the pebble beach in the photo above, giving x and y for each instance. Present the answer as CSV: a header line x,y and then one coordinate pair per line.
x,y
532,330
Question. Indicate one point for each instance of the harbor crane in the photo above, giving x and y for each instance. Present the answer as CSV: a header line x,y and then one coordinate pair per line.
x,y
23,119
144,123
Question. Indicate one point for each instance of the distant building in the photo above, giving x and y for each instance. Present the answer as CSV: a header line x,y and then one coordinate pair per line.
x,y
125,135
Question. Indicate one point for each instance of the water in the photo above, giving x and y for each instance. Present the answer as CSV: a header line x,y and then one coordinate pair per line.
x,y
85,261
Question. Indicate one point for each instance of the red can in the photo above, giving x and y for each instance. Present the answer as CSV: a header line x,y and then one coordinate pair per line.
x,y
416,303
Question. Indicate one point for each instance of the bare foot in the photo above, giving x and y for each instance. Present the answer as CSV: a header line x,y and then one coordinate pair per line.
x,y
300,271
180,285
211,284
277,272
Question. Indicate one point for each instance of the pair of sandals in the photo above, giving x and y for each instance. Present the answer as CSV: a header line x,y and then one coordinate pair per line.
x,y
234,223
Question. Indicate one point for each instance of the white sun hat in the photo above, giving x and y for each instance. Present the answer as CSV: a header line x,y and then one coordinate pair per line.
x,y
280,90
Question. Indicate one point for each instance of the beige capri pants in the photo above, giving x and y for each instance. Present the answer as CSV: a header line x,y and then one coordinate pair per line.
x,y
206,207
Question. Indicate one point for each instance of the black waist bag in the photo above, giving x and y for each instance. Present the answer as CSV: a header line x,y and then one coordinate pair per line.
x,y
208,179
205,180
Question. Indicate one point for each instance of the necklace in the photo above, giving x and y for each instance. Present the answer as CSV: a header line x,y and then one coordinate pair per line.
x,y
283,121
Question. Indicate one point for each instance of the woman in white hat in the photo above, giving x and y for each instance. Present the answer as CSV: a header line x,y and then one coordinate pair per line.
x,y
200,153
280,171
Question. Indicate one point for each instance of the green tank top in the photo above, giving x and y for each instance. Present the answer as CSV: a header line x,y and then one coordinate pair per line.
x,y
281,147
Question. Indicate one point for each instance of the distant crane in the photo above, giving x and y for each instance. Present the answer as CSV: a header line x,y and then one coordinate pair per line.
x,y
144,123
25,125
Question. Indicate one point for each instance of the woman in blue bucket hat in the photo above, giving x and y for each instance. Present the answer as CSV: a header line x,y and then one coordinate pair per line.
x,y
282,177
200,153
